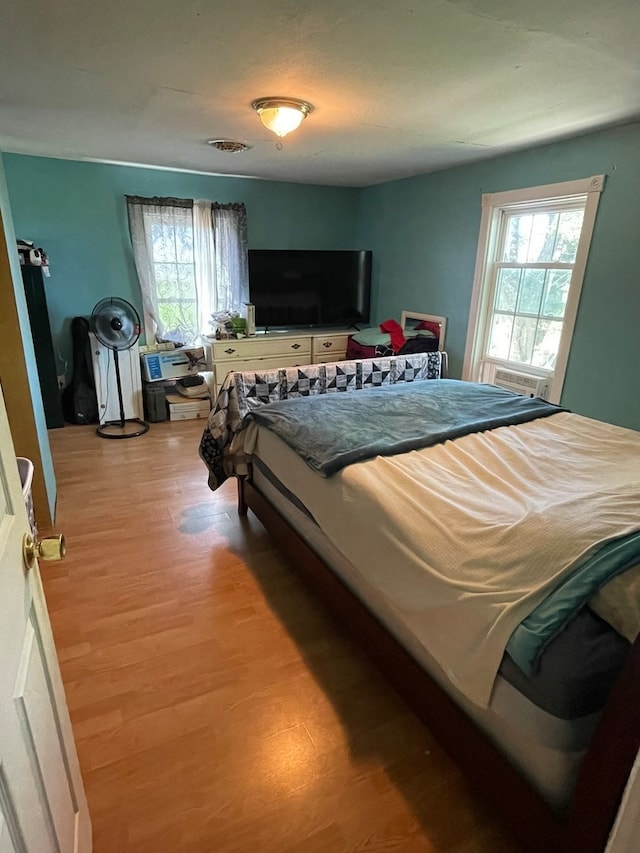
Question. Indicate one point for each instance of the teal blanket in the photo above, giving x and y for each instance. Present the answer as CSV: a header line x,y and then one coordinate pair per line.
x,y
533,634
333,431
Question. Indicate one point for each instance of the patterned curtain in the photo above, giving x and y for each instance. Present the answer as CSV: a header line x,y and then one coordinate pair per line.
x,y
205,259
162,240
192,261
231,287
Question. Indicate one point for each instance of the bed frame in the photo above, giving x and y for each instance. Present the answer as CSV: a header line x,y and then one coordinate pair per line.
x,y
585,825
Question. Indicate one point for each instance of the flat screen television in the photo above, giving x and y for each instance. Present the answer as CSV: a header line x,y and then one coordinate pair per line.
x,y
297,288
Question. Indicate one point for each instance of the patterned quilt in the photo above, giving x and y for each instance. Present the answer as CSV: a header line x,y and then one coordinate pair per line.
x,y
241,392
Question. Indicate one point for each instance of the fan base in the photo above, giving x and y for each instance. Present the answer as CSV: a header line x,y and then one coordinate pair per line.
x,y
129,428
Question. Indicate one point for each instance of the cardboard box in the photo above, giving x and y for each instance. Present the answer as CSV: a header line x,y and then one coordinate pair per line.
x,y
187,408
172,364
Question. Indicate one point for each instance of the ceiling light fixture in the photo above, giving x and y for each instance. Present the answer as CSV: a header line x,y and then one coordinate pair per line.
x,y
281,115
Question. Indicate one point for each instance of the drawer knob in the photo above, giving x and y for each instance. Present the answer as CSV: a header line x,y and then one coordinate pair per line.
x,y
295,346
327,344
229,351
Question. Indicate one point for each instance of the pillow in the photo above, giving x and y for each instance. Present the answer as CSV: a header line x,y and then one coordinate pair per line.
x,y
419,333
372,337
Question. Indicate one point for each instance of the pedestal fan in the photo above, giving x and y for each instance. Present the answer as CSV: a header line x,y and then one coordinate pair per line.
x,y
116,324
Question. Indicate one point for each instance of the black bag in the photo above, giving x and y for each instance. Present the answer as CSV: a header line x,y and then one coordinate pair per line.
x,y
421,343
79,400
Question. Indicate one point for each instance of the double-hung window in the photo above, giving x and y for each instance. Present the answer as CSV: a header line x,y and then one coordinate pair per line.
x,y
531,259
172,260
191,259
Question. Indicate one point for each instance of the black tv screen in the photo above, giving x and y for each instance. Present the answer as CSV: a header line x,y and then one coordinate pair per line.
x,y
300,288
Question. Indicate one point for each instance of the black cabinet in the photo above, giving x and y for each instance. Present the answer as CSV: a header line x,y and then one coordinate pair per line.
x,y
42,344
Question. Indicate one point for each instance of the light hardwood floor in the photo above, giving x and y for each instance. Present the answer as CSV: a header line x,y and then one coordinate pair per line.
x,y
216,706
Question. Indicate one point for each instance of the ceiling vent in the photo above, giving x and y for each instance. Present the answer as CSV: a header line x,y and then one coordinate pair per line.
x,y
230,145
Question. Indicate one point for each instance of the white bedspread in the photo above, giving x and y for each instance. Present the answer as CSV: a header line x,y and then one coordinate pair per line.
x,y
466,538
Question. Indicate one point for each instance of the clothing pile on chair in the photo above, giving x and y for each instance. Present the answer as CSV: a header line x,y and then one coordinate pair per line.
x,y
389,338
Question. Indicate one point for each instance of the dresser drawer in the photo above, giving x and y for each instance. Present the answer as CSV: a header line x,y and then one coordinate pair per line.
x,y
253,348
329,347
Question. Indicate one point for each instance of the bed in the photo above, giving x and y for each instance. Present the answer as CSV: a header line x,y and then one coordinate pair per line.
x,y
550,742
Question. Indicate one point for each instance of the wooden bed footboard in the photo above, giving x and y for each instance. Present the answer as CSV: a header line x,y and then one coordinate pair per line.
x,y
587,822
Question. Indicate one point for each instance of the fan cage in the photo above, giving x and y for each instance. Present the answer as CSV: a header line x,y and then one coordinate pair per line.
x,y
113,316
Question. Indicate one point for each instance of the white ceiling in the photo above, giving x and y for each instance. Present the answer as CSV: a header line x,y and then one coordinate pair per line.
x,y
399,88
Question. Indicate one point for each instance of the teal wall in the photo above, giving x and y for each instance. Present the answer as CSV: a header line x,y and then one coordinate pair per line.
x,y
32,394
77,213
424,234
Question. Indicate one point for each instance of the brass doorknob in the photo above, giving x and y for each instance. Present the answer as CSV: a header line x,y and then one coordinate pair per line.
x,y
49,548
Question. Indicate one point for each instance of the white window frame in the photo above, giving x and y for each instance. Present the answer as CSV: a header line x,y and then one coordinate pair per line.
x,y
494,207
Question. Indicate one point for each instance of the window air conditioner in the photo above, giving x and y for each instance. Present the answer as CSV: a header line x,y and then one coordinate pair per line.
x,y
521,383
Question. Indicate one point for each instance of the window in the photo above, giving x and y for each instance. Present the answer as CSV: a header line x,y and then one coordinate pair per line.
x,y
532,254
171,235
191,259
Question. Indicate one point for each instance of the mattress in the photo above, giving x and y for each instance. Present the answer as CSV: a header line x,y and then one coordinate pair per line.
x,y
546,747
472,535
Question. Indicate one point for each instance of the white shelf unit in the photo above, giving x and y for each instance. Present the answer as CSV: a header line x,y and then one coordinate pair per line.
x,y
105,379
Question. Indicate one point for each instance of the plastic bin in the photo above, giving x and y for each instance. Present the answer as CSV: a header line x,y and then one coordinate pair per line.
x,y
25,467
155,402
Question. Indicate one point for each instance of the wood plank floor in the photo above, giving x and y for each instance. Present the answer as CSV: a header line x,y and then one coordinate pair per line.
x,y
217,708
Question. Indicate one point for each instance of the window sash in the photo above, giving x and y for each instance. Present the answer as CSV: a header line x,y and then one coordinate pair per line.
x,y
495,209
174,275
517,313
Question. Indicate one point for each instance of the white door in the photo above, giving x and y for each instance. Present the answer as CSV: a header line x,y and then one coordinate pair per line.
x,y
43,808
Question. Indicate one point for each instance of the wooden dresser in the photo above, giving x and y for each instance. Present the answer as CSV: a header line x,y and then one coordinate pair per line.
x,y
267,350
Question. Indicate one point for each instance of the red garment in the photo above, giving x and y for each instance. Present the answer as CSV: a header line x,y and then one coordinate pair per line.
x,y
430,326
356,350
394,328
